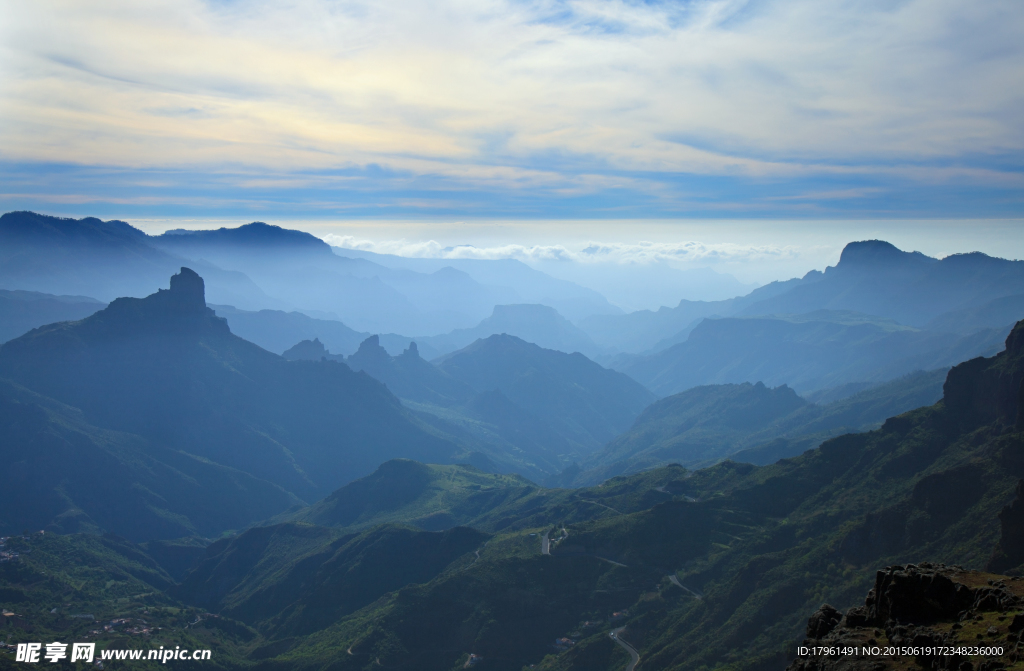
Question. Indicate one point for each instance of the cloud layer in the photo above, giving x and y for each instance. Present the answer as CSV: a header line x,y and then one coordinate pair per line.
x,y
502,105
674,253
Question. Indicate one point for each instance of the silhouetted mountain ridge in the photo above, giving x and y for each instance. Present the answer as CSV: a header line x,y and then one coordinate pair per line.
x,y
750,423
809,351
167,368
256,236
583,401
22,311
871,277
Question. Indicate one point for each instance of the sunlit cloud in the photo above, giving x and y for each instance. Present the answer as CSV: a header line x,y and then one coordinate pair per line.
x,y
548,99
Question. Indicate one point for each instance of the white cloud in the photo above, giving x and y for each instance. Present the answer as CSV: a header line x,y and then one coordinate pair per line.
x,y
595,252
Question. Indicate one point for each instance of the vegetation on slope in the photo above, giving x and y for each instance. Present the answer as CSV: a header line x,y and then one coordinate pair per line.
x,y
750,422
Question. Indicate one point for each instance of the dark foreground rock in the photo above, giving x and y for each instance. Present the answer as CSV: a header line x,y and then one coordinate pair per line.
x,y
924,616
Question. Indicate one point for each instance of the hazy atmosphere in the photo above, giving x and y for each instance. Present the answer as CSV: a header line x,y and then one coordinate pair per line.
x,y
679,335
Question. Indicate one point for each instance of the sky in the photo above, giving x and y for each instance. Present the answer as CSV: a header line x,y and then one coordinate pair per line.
x,y
513,111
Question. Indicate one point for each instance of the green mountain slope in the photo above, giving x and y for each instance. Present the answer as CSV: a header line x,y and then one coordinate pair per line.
x,y
864,410
105,590
509,611
436,497
722,572
166,368
62,474
426,495
927,486
291,579
752,423
714,569
698,425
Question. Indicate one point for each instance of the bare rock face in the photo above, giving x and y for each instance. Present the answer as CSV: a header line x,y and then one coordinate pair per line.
x,y
1009,553
824,620
307,350
927,616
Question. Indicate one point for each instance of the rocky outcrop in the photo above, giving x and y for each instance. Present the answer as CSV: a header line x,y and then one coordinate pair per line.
x,y
372,358
310,350
915,607
181,308
824,620
1009,553
982,390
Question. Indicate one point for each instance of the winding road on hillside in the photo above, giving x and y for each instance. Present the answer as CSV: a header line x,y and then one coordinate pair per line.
x,y
634,656
675,581
545,548
665,491
596,503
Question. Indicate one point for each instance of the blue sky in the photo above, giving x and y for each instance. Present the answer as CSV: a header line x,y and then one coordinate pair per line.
x,y
514,110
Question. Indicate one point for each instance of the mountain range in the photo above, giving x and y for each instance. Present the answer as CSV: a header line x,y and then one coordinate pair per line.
x,y
877,314
715,567
262,267
284,479
22,311
810,352
544,406
872,277
166,368
751,423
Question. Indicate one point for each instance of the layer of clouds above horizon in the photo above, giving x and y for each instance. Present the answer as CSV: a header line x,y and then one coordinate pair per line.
x,y
713,108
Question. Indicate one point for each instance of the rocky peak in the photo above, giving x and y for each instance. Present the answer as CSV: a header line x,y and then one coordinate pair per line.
x,y
985,389
307,350
877,255
188,288
181,308
1009,552
370,357
369,345
411,352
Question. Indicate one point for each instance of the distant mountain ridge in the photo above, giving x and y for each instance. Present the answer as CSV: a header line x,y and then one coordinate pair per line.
x,y
260,266
539,324
871,277
256,236
750,423
408,376
543,407
810,351
584,401
101,259
22,311
167,368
